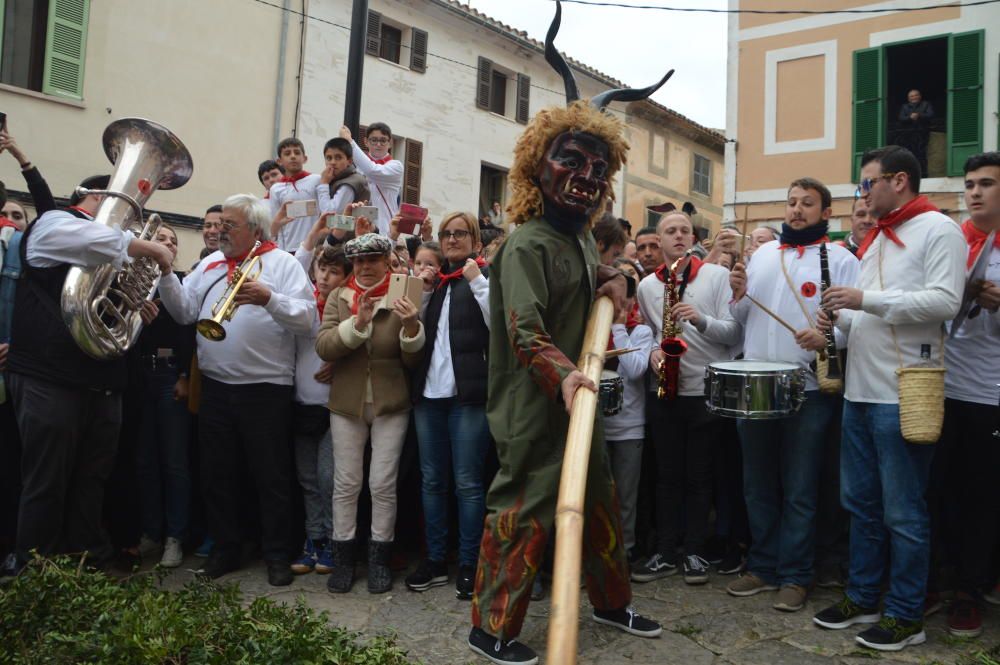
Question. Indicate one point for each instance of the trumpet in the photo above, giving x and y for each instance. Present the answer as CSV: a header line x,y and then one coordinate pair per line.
x,y
225,307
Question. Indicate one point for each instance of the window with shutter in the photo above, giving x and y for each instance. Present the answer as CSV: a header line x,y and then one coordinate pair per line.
x,y
484,83
411,172
361,139
373,33
392,43
65,48
701,176
869,104
523,94
965,98
418,50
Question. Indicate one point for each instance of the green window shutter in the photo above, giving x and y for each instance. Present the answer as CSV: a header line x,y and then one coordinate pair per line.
x,y
65,48
965,98
869,104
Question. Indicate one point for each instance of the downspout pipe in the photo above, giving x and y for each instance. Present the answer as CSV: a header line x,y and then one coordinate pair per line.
x,y
355,65
280,83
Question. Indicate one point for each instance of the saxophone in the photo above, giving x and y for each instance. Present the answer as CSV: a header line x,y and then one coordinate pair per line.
x,y
673,347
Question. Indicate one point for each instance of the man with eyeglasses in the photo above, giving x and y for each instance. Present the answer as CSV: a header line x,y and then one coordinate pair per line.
x,y
861,224
385,174
911,282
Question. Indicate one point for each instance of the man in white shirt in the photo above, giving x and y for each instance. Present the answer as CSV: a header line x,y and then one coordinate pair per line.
x,y
68,405
684,432
911,282
968,453
385,174
247,381
782,457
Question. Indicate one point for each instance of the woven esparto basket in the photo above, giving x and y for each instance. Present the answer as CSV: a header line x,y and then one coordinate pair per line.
x,y
827,386
921,403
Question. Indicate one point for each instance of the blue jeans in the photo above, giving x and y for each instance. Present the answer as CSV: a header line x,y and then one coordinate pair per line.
x,y
781,464
162,467
883,480
453,439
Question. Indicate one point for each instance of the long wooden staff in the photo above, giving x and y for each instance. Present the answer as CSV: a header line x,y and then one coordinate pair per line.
x,y
565,609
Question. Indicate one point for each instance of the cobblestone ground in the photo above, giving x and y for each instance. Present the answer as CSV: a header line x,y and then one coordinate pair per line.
x,y
702,625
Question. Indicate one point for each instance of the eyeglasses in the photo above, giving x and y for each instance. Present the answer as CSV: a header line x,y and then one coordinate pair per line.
x,y
229,226
867,183
461,234
378,141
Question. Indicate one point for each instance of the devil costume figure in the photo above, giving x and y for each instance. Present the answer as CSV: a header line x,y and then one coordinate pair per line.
x,y
545,278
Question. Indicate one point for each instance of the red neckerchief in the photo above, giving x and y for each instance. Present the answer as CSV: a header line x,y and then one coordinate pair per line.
x,y
376,291
976,240
917,206
320,302
231,264
631,321
295,178
4,222
696,264
801,249
83,210
452,276
381,160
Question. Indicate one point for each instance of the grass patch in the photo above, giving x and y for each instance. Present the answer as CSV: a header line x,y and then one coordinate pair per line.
x,y
686,629
58,612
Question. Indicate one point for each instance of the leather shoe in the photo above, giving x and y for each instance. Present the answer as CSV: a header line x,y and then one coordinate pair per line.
x,y
218,564
279,573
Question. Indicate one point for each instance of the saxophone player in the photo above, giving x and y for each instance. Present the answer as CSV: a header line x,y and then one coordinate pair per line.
x,y
68,405
247,380
684,432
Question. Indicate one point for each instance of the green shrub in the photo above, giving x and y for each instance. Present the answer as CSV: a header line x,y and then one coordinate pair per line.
x,y
58,612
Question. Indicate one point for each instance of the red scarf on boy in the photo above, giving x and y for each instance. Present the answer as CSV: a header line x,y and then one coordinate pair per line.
x,y
696,264
917,206
376,291
295,178
976,240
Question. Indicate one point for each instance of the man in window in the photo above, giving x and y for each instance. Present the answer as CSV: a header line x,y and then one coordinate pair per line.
x,y
915,126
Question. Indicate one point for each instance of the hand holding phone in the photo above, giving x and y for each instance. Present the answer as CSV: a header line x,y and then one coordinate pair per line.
x,y
410,216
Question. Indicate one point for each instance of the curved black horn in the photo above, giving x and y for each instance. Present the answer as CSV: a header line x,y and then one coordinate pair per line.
x,y
627,94
554,58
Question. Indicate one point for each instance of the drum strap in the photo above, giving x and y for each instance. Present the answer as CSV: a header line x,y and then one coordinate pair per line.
x,y
795,292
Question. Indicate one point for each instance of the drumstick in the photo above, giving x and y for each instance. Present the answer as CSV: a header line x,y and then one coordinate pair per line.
x,y
771,314
618,352
743,231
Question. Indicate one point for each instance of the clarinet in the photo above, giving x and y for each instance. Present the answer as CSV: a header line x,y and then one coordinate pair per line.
x,y
833,369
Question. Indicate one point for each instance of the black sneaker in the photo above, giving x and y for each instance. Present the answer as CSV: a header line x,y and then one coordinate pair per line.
x,y
218,564
630,621
658,566
428,574
892,634
465,582
733,563
695,569
716,548
279,573
844,614
500,652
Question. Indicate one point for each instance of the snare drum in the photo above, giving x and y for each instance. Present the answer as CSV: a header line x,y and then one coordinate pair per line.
x,y
754,389
611,393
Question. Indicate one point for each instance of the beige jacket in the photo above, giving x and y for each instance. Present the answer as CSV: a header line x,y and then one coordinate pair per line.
x,y
369,366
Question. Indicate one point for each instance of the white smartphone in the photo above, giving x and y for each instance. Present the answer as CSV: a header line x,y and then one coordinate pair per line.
x,y
405,285
340,222
296,209
368,212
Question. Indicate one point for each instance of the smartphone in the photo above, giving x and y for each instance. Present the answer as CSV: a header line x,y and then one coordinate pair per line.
x,y
404,285
411,216
3,121
368,212
296,209
340,222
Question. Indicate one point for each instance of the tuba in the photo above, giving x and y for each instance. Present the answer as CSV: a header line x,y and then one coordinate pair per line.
x,y
101,305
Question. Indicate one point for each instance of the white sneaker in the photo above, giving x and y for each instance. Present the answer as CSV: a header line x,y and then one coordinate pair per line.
x,y
148,546
173,555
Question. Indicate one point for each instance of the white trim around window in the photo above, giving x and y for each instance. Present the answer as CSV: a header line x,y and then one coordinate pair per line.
x,y
828,141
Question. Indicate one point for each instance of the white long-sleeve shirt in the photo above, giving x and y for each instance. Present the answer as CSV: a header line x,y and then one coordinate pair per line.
x,y
923,285
709,293
291,235
342,197
630,422
766,339
308,390
441,373
971,358
260,341
385,182
60,237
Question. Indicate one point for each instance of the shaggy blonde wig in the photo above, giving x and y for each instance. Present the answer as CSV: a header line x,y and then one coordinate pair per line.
x,y
526,197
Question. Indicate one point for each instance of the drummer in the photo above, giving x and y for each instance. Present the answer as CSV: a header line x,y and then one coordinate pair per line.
x,y
684,433
782,457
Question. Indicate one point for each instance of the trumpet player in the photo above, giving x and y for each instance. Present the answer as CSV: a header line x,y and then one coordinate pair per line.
x,y
67,405
247,379
684,432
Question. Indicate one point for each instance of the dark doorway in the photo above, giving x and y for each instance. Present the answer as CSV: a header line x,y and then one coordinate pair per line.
x,y
920,65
